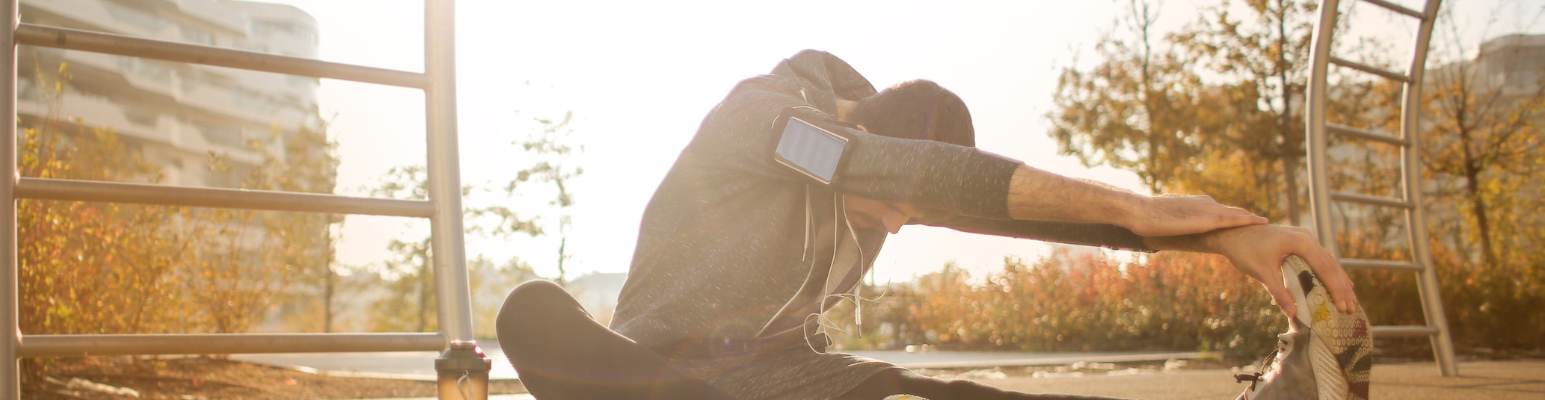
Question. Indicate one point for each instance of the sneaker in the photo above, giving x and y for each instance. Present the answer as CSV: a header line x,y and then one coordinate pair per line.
x,y
1325,353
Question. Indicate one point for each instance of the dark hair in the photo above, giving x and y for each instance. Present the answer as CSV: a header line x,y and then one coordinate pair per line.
x,y
919,109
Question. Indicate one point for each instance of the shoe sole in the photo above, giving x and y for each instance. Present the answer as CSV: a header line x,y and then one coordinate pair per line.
x,y
1341,343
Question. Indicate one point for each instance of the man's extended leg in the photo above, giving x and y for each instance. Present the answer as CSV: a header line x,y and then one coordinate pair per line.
x,y
561,353
901,381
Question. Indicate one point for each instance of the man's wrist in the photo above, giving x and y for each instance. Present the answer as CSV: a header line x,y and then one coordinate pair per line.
x,y
1113,205
1131,208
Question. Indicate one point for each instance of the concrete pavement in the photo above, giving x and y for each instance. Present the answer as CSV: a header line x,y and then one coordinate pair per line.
x,y
1479,380
1488,380
419,365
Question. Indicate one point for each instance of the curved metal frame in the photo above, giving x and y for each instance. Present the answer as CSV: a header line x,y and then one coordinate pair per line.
x,y
1319,183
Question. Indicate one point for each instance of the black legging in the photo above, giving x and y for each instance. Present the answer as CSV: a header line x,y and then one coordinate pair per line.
x,y
561,353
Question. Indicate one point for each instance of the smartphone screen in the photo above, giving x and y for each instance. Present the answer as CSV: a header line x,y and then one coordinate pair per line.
x,y
810,149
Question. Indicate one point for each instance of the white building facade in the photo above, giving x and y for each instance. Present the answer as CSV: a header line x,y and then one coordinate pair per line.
x,y
176,115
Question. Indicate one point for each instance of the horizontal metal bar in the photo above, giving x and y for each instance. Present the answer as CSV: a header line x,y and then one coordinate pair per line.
x,y
1374,200
1358,263
1397,8
1370,69
71,39
1403,331
101,345
60,189
1368,135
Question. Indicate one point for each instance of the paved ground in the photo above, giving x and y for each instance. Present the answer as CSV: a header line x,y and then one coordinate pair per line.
x,y
1488,380
420,364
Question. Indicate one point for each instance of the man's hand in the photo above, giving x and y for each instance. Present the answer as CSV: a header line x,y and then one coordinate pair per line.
x,y
1170,215
1259,250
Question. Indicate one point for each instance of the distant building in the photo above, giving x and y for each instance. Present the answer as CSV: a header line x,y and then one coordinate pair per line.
x,y
174,114
1512,62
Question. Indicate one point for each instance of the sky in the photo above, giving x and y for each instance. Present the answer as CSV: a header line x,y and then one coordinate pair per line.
x,y
639,77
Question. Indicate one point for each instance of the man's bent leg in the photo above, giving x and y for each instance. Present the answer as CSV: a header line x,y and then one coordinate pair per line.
x,y
902,381
562,354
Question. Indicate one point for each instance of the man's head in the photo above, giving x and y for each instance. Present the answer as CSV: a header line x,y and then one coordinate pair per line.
x,y
918,109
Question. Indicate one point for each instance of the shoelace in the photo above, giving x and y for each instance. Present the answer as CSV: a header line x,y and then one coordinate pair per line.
x,y
1265,366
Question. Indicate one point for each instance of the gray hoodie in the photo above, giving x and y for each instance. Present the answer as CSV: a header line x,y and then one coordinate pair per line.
x,y
728,275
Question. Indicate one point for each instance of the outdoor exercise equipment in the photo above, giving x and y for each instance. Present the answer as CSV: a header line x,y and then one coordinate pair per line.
x,y
1407,139
461,366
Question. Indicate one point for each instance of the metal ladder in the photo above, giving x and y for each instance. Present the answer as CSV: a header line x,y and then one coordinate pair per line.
x,y
443,207
1319,183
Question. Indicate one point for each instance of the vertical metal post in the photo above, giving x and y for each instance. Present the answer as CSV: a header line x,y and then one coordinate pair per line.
x,y
1410,171
462,370
449,254
1319,179
10,329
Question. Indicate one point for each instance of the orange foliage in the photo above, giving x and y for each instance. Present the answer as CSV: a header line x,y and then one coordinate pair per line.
x,y
99,268
1083,302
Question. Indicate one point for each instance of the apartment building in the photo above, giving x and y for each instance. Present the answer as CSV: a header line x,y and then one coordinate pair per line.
x,y
179,117
176,115
1513,63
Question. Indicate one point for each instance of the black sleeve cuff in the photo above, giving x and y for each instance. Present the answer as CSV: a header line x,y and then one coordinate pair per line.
x,y
959,179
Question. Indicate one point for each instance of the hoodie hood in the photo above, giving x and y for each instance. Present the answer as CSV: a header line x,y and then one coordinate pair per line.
x,y
825,78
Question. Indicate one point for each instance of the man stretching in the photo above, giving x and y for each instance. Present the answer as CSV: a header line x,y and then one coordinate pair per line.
x,y
779,205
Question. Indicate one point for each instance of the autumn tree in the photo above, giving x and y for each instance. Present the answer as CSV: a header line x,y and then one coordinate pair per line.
x,y
1136,109
1482,150
92,267
306,161
409,276
410,303
551,144
1265,54
1485,115
120,268
1236,135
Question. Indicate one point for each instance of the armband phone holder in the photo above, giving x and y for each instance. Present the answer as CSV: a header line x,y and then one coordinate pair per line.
x,y
815,151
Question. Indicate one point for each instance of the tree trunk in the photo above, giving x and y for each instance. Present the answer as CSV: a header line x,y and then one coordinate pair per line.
x,y
328,289
423,296
1290,167
1478,210
1284,121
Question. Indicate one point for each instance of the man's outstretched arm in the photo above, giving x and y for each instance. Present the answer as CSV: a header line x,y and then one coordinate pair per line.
x,y
1035,194
1184,223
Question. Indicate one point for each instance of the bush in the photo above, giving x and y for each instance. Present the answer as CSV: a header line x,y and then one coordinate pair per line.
x,y
1081,301
110,268
1086,302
